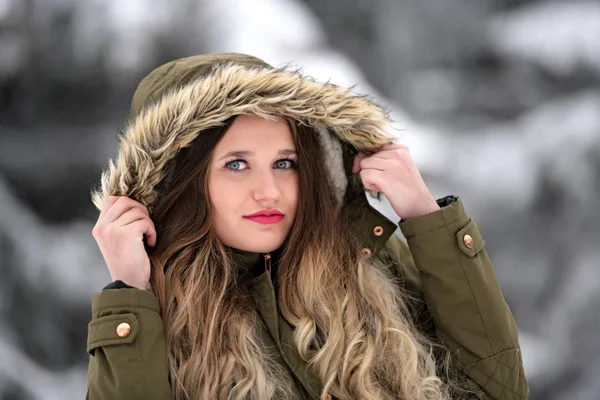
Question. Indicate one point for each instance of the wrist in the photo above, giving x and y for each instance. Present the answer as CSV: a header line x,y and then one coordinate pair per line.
x,y
141,286
132,283
118,284
423,209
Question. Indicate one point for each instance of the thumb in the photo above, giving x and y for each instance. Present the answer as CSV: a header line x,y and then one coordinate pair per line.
x,y
356,164
110,200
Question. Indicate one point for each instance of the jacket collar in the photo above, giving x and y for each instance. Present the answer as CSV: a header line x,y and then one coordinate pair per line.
x,y
244,259
371,227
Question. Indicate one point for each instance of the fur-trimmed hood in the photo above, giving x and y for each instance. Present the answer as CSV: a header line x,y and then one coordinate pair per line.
x,y
179,100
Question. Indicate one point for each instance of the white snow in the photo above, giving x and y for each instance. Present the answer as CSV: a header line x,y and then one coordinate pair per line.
x,y
559,35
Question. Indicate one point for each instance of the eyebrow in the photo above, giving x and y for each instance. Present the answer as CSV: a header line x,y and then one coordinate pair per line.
x,y
242,154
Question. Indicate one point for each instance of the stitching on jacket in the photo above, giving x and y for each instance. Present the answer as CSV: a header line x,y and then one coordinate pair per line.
x,y
90,382
510,374
140,365
113,306
504,387
458,256
490,378
508,366
512,349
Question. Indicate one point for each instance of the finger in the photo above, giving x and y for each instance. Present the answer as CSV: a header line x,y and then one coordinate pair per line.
x,y
394,146
130,216
372,179
110,200
122,205
356,163
146,228
118,208
392,151
380,164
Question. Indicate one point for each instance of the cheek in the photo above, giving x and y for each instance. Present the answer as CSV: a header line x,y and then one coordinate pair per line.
x,y
292,191
219,200
224,197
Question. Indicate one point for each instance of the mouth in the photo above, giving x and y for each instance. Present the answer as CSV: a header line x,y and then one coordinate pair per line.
x,y
265,217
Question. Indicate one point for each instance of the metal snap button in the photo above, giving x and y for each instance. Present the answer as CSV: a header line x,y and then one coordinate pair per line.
x,y
123,329
468,240
366,252
378,231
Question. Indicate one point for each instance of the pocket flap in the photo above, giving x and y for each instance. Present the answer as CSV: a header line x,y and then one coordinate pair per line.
x,y
469,239
103,331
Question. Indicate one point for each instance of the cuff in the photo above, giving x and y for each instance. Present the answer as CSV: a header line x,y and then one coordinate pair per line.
x,y
114,301
116,316
451,211
118,284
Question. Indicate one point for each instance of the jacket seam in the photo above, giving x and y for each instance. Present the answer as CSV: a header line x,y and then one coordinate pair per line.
x,y
508,378
472,364
140,364
458,255
507,366
490,378
91,380
136,305
504,387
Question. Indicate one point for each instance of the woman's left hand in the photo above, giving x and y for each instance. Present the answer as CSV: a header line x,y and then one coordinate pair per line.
x,y
393,172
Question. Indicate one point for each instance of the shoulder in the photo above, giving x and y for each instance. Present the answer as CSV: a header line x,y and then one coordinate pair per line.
x,y
397,257
399,261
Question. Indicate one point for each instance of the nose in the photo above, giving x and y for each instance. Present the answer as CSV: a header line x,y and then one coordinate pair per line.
x,y
266,187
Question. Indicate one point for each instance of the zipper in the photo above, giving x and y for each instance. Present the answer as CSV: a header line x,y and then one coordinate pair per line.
x,y
268,263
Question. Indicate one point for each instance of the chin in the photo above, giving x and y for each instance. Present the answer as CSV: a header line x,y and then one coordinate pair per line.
x,y
264,246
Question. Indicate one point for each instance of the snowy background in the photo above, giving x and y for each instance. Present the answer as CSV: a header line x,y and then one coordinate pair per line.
x,y
498,99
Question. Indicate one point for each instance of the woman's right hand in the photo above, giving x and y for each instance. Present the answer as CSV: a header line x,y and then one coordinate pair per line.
x,y
119,232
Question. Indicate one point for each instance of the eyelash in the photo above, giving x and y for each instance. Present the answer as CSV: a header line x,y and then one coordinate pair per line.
x,y
234,159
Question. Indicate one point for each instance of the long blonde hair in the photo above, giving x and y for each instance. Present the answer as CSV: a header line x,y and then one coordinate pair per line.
x,y
352,323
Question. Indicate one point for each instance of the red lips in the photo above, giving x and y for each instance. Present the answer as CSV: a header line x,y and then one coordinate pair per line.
x,y
265,213
265,217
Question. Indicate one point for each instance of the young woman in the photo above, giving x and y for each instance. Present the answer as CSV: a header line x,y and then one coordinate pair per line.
x,y
247,262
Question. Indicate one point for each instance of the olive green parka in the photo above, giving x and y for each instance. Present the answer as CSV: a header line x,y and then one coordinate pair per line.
x,y
443,260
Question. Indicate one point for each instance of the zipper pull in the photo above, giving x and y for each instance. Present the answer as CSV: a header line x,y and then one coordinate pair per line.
x,y
268,262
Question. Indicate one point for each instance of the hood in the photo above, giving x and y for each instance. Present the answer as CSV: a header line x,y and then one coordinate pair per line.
x,y
180,99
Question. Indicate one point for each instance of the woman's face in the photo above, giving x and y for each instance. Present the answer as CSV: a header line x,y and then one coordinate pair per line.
x,y
253,170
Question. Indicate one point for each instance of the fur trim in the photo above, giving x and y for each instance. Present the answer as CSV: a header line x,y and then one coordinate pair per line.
x,y
334,160
155,136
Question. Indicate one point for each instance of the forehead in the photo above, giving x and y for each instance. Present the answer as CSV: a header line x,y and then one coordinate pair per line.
x,y
249,132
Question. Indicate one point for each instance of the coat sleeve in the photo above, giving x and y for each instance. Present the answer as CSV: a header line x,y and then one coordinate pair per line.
x,y
444,262
132,366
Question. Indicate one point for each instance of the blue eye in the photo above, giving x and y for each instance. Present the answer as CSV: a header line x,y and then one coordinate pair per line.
x,y
236,165
285,164
242,165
